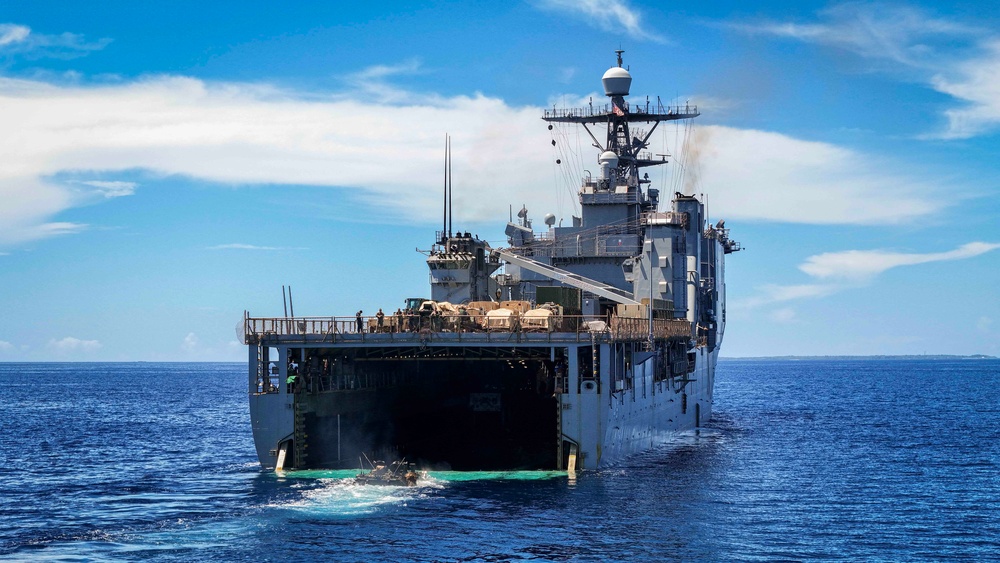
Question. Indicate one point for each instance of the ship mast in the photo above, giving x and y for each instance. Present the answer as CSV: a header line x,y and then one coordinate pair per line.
x,y
628,145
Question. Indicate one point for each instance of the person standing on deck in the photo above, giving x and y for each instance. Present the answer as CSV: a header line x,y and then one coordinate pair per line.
x,y
358,317
380,318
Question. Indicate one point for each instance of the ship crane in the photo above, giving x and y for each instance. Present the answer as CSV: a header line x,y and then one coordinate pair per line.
x,y
569,278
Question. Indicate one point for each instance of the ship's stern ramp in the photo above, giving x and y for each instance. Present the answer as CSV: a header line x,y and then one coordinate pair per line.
x,y
462,401
448,407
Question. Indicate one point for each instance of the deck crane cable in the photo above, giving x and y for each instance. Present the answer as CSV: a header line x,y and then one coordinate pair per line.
x,y
570,162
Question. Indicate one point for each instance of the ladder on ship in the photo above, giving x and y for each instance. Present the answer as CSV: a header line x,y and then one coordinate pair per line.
x,y
263,378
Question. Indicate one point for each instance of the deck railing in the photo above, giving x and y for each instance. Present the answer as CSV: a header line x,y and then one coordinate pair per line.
x,y
636,329
394,327
601,110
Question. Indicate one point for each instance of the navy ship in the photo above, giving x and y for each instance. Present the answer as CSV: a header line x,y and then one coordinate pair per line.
x,y
570,348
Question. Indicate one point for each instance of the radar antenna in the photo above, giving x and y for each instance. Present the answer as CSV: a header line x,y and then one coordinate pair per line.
x,y
446,214
617,116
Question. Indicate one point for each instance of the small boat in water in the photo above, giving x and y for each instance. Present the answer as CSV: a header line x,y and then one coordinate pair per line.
x,y
400,473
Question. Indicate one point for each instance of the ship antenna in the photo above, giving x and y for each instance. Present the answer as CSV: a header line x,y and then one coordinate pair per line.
x,y
284,300
450,188
619,51
444,217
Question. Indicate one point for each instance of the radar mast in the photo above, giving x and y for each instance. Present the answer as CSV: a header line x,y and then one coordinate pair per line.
x,y
628,145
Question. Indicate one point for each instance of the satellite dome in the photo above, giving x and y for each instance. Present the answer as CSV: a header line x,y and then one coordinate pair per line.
x,y
550,219
608,157
616,81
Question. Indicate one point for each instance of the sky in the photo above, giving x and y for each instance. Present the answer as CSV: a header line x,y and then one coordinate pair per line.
x,y
168,166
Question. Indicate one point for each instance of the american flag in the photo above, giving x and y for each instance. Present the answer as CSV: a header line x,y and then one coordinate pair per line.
x,y
617,110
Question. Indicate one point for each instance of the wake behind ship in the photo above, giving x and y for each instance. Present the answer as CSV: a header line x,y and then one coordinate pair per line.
x,y
569,349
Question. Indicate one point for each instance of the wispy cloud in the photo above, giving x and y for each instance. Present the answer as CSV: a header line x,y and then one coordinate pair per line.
x,y
951,57
110,189
861,265
6,346
42,230
240,246
976,82
237,133
374,83
854,268
900,34
12,33
20,40
773,293
765,175
614,16
71,344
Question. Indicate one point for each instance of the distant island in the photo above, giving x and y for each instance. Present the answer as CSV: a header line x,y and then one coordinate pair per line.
x,y
862,358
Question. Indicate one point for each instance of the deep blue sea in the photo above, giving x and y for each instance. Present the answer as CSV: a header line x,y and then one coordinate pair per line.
x,y
831,460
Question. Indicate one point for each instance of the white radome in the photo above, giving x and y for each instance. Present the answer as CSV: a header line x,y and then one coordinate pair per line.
x,y
616,81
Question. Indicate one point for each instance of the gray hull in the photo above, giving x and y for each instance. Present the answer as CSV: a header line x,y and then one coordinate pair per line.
x,y
474,401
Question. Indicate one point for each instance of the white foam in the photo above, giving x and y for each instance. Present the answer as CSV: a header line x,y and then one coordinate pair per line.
x,y
345,497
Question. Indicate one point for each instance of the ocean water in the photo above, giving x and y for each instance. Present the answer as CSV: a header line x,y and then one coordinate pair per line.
x,y
831,460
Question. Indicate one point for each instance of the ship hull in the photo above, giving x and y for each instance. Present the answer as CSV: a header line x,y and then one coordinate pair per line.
x,y
553,401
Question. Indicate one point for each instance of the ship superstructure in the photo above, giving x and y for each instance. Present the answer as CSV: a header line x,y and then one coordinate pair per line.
x,y
569,349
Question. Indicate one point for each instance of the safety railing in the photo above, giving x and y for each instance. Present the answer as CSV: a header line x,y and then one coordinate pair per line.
x,y
408,326
601,110
636,329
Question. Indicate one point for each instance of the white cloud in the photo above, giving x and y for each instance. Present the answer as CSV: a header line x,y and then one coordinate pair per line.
x,y
864,264
373,83
976,82
773,293
110,189
21,40
763,175
984,324
962,61
242,133
250,134
851,269
897,33
71,344
28,200
12,33
614,16
190,342
6,346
